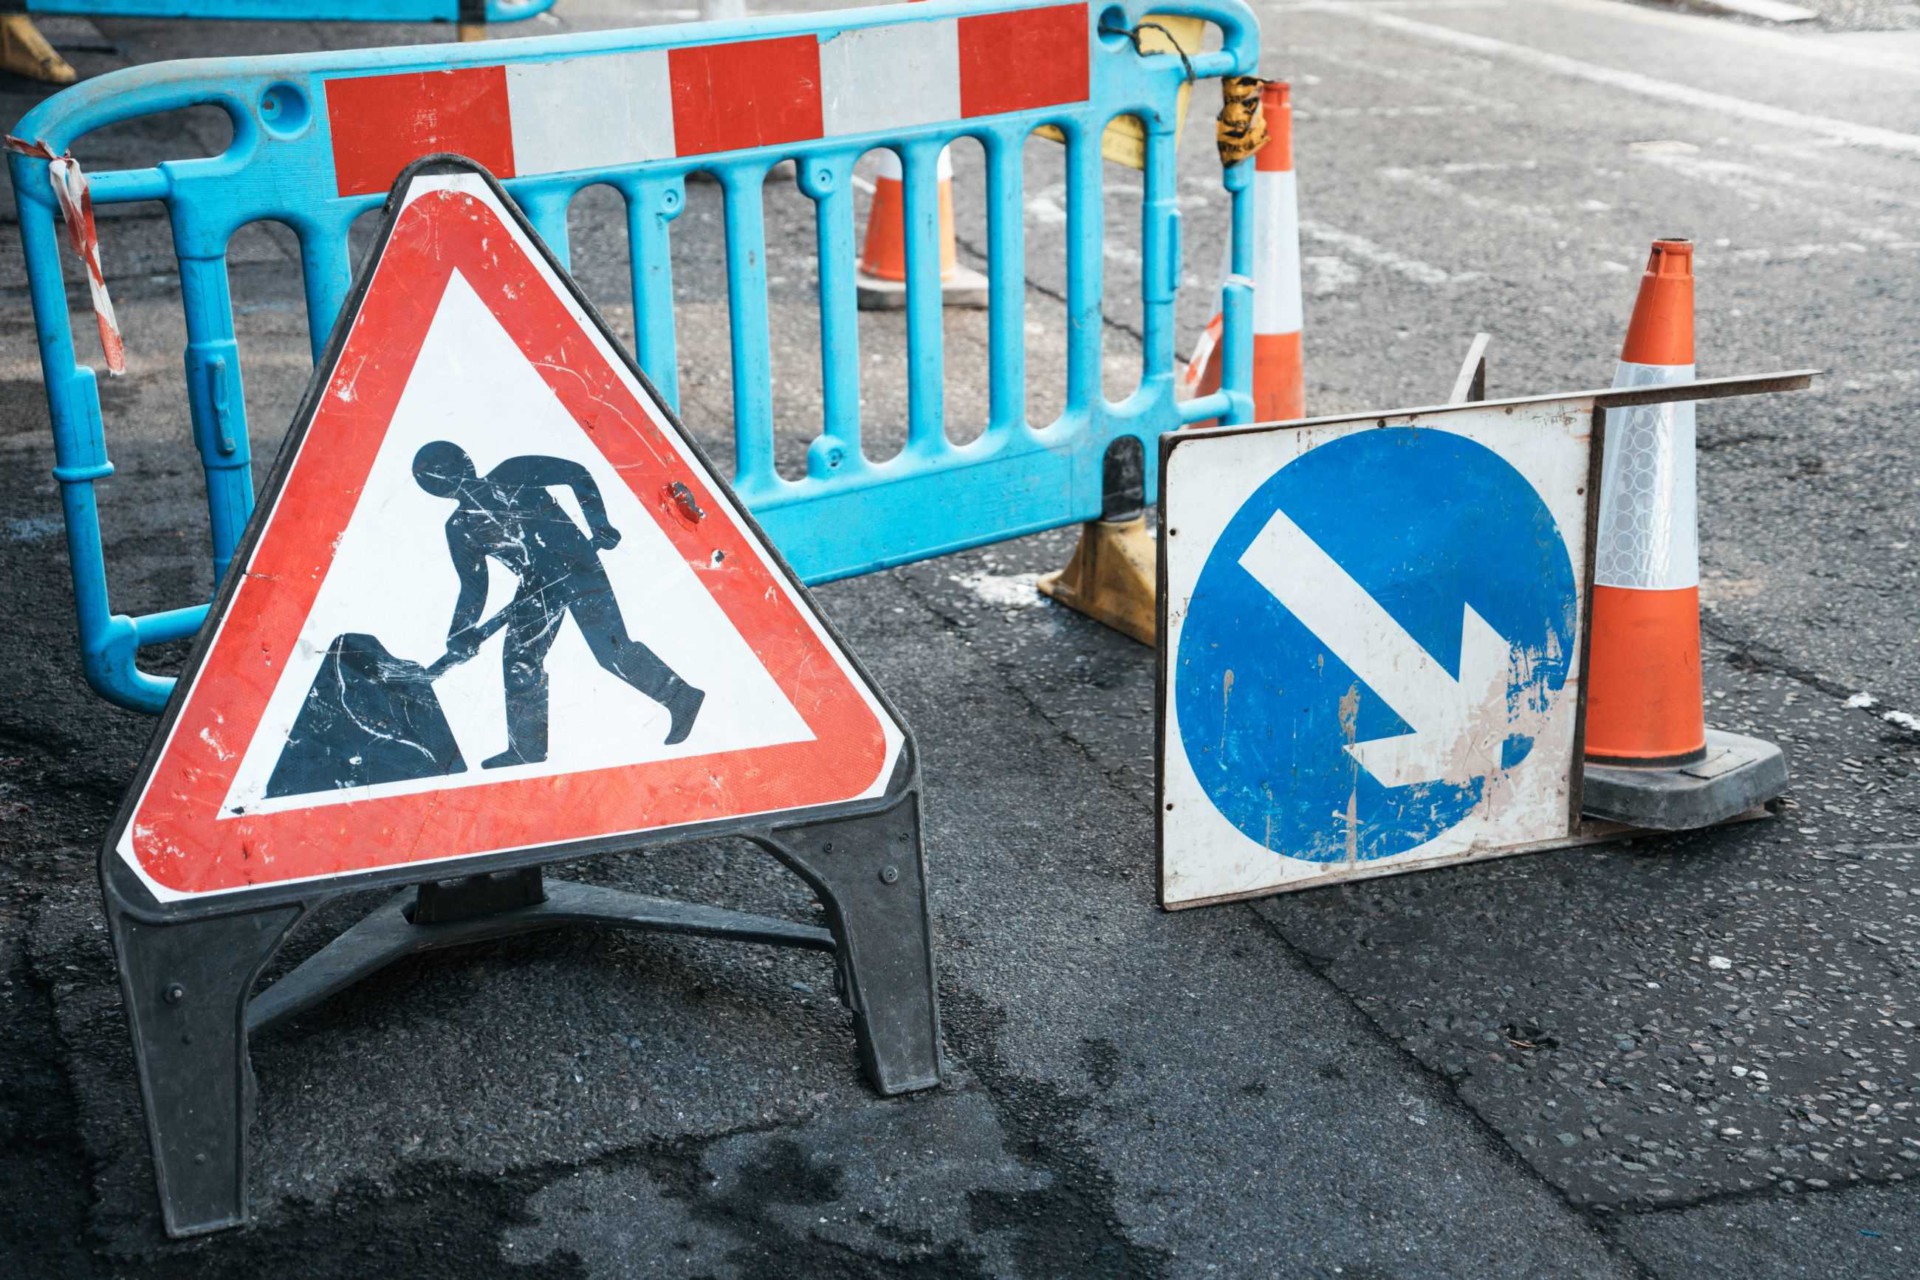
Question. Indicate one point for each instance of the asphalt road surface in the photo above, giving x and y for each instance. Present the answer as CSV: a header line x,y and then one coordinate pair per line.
x,y
1691,1056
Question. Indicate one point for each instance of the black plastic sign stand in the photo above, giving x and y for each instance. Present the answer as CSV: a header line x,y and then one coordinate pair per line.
x,y
188,966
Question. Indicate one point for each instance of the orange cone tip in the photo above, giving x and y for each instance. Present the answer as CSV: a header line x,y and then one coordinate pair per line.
x,y
1661,331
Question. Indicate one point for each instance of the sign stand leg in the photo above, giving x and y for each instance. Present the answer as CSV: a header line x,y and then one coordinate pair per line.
x,y
187,983
455,913
870,875
185,986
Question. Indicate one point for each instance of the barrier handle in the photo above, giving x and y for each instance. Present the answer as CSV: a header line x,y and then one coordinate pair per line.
x,y
1239,51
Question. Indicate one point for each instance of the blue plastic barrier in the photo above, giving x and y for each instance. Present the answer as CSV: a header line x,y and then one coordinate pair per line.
x,y
305,155
299,10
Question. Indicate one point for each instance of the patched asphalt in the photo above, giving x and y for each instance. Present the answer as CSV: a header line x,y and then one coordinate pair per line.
x,y
1679,1056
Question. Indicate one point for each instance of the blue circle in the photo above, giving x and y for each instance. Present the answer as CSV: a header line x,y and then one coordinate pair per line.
x,y
1427,523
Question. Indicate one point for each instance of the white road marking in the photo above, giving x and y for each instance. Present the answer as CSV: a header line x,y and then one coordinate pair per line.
x,y
1328,274
1358,246
1450,111
1001,590
1418,78
1765,10
1415,6
1796,47
1848,131
1903,719
1433,185
1775,185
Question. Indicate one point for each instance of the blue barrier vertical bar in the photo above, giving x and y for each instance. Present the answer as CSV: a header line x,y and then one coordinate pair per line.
x,y
926,310
751,338
1084,245
327,271
1236,360
651,204
217,405
1160,265
829,181
107,644
1006,278
546,209
79,442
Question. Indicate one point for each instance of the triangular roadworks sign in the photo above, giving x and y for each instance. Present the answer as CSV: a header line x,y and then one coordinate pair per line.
x,y
492,601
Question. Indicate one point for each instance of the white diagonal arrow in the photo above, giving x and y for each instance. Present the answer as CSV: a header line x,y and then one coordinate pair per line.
x,y
1458,724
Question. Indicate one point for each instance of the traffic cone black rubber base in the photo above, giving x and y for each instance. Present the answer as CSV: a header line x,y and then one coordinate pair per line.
x,y
1738,774
964,287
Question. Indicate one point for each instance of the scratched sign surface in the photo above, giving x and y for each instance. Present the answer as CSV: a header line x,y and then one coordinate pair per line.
x,y
1372,644
493,600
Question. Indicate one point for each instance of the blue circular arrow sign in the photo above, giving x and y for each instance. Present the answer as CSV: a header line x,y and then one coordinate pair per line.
x,y
1370,640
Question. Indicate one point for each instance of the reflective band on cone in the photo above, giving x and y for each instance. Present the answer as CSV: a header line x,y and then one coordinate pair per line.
x,y
1644,698
1279,388
1278,391
884,253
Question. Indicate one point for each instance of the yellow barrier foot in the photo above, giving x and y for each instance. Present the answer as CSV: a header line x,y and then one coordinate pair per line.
x,y
1111,577
25,52
471,31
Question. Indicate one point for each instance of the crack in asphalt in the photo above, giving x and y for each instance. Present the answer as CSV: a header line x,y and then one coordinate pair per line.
x,y
1117,776
1495,1142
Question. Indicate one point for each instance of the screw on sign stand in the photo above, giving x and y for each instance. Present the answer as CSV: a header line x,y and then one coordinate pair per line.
x,y
1373,630
494,610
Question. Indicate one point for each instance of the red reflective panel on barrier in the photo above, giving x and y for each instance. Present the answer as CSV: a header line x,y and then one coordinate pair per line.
x,y
757,93
382,124
1021,60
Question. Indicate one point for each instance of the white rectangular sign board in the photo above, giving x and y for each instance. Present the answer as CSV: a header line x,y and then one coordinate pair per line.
x,y
1372,639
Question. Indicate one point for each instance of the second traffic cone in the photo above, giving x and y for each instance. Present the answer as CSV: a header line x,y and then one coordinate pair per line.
x,y
1651,760
1279,386
881,283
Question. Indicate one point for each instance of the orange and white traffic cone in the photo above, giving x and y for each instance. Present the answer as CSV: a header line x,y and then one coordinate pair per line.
x,y
1279,387
881,282
1651,760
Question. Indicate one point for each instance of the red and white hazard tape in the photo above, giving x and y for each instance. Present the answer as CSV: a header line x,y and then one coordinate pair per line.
x,y
525,118
76,208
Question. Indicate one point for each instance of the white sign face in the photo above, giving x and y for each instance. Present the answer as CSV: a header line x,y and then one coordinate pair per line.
x,y
1371,641
390,577
494,601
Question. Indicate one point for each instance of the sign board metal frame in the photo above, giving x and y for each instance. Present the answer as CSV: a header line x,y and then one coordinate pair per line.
x,y
188,966
1591,404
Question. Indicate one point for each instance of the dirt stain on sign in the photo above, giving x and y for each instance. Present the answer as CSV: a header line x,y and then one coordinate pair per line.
x,y
1226,698
1350,729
